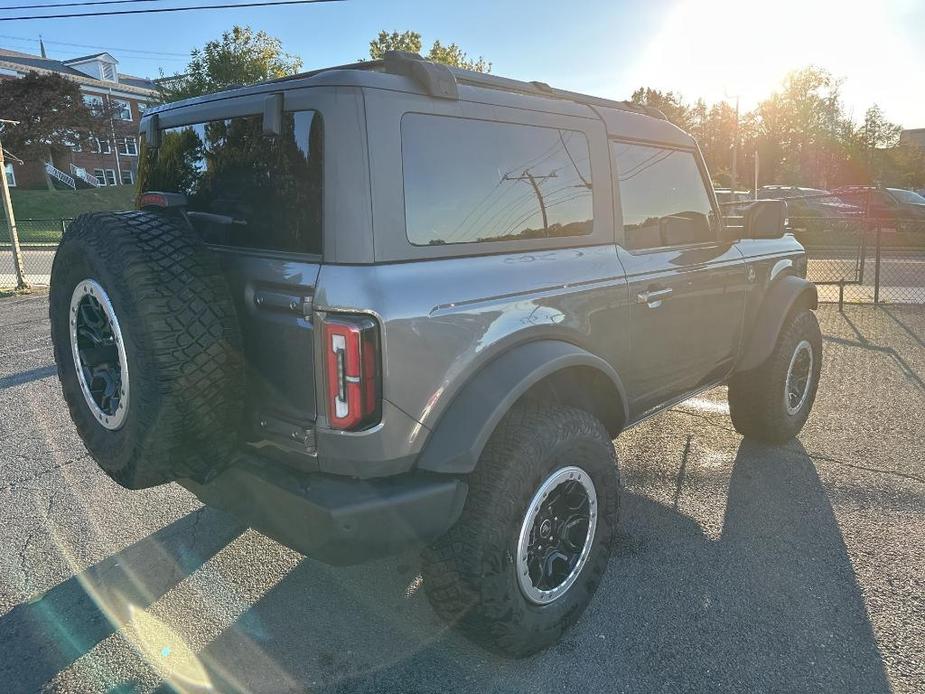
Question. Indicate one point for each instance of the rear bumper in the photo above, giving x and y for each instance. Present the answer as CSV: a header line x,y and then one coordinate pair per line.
x,y
333,519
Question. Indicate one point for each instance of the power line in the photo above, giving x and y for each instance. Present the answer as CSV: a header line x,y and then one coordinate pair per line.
x,y
74,4
86,45
167,9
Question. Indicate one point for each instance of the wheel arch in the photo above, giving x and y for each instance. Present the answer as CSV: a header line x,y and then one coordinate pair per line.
x,y
544,369
785,295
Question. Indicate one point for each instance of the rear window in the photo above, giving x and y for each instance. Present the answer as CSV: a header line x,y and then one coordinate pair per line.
x,y
269,187
470,180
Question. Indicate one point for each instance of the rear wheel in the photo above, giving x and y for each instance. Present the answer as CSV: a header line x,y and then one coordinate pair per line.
x,y
535,535
147,347
772,402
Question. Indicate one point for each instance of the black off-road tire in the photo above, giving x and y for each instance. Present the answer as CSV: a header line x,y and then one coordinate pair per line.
x,y
182,344
469,574
757,398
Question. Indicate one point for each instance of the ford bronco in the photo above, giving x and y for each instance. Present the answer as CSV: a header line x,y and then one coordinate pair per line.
x,y
396,304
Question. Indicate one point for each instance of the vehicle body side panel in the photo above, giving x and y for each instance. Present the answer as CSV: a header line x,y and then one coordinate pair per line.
x,y
443,320
464,429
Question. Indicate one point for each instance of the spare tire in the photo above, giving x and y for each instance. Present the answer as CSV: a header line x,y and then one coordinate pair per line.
x,y
148,347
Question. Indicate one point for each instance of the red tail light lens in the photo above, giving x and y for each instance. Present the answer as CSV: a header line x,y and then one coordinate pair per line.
x,y
351,353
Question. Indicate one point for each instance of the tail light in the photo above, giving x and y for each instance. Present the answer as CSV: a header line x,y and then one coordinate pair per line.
x,y
352,380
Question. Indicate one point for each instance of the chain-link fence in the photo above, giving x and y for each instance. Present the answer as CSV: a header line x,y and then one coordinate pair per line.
x,y
853,255
863,244
38,240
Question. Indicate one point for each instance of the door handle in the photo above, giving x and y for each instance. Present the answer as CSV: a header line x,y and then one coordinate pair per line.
x,y
654,297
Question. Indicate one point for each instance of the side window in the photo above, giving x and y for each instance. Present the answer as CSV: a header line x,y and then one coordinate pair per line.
x,y
269,189
470,180
664,199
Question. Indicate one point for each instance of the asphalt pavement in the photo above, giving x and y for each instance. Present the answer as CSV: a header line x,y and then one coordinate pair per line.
x,y
741,567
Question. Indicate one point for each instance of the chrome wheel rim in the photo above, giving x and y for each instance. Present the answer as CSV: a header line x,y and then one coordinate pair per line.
x,y
98,349
799,377
556,535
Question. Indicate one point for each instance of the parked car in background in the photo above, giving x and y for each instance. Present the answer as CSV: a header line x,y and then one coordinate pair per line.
x,y
893,204
810,203
733,202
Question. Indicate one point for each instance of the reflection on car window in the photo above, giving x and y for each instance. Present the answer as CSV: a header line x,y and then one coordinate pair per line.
x,y
470,180
664,200
270,187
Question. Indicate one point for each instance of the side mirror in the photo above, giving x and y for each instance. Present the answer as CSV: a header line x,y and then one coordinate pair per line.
x,y
764,219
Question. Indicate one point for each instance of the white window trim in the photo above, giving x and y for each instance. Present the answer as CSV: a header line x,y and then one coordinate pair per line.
x,y
124,149
10,175
131,177
114,179
118,103
100,176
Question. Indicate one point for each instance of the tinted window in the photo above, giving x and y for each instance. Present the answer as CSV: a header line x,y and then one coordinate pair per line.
x,y
270,188
470,180
665,202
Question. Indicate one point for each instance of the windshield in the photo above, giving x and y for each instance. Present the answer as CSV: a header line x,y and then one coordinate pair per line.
x,y
907,196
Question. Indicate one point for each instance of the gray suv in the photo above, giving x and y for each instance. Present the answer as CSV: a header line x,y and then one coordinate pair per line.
x,y
396,304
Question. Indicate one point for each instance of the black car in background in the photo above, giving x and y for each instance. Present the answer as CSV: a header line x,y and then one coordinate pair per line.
x,y
893,204
810,203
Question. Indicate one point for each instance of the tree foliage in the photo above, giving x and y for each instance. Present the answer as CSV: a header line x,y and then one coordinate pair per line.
x,y
801,133
51,113
410,41
241,57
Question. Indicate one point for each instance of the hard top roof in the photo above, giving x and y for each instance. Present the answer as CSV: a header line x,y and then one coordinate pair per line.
x,y
410,73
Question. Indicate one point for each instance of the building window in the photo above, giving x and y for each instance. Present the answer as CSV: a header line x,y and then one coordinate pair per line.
x,y
109,72
10,176
76,147
141,106
100,176
98,146
127,146
122,109
128,178
110,177
94,103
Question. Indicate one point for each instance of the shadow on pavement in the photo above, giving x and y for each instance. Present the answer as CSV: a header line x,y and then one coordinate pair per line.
x,y
22,377
46,635
773,604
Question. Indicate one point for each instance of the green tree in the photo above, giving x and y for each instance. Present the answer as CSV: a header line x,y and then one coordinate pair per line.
x,y
410,41
52,117
669,103
241,57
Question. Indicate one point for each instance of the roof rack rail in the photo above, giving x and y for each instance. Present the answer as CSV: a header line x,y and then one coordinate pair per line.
x,y
538,88
442,81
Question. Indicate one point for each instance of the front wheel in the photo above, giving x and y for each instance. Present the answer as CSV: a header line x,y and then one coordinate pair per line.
x,y
534,538
772,402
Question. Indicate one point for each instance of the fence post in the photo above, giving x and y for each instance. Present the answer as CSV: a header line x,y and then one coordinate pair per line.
x,y
11,224
877,269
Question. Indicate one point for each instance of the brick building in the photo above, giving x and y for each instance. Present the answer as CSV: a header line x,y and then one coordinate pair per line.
x,y
108,161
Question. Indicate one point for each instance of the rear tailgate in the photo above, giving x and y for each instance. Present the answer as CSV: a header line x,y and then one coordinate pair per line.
x,y
274,302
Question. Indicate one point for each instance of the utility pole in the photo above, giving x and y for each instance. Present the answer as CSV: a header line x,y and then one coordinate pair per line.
x,y
527,176
735,149
10,218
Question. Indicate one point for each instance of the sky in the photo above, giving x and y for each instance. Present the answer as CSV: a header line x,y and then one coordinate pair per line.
x,y
715,49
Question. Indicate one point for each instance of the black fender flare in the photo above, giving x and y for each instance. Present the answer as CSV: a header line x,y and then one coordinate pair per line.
x,y
778,302
456,442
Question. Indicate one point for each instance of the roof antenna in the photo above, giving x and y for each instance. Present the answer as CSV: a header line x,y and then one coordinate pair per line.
x,y
42,46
